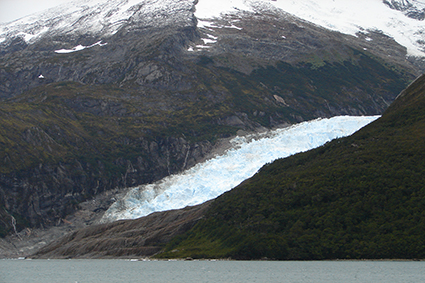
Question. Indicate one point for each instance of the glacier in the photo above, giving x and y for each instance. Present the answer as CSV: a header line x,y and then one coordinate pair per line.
x,y
215,176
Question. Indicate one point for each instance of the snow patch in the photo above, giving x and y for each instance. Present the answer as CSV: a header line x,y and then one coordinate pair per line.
x,y
210,179
202,46
205,24
211,25
206,9
209,41
26,36
79,48
233,26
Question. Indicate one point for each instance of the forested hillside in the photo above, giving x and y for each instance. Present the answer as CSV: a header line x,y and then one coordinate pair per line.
x,y
358,197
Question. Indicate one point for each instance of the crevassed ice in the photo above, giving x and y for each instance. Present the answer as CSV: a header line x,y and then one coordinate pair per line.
x,y
210,179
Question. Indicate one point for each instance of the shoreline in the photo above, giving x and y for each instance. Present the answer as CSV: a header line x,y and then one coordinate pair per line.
x,y
132,259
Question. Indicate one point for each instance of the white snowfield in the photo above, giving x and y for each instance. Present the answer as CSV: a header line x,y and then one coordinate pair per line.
x,y
212,178
104,18
345,16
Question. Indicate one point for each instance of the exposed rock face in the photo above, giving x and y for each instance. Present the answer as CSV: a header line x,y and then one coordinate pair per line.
x,y
127,239
128,53
53,191
147,101
148,53
283,186
408,7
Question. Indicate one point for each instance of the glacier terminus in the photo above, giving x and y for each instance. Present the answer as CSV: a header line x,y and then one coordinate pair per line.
x,y
215,176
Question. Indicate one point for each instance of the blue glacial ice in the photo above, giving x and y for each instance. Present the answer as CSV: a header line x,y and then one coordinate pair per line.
x,y
215,176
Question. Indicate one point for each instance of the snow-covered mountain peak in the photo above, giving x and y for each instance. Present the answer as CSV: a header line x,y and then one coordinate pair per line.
x,y
398,19
97,17
345,16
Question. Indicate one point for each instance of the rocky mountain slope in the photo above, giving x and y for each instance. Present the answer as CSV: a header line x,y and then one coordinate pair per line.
x,y
356,197
143,237
412,9
101,95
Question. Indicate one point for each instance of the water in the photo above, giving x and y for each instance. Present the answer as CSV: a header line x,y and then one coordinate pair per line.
x,y
210,179
210,271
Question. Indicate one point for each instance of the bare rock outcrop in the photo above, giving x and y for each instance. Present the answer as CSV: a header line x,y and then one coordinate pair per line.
x,y
139,238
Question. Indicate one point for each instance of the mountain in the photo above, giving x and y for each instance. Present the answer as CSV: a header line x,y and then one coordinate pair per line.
x,y
356,197
247,154
97,96
412,9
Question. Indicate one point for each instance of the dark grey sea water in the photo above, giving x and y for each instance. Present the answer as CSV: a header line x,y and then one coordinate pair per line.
x,y
210,271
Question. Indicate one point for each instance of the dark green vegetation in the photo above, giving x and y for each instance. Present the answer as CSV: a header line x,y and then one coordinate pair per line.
x,y
75,140
143,107
358,197
78,140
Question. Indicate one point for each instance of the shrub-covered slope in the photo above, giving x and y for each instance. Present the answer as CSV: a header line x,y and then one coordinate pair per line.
x,y
65,142
144,106
358,197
